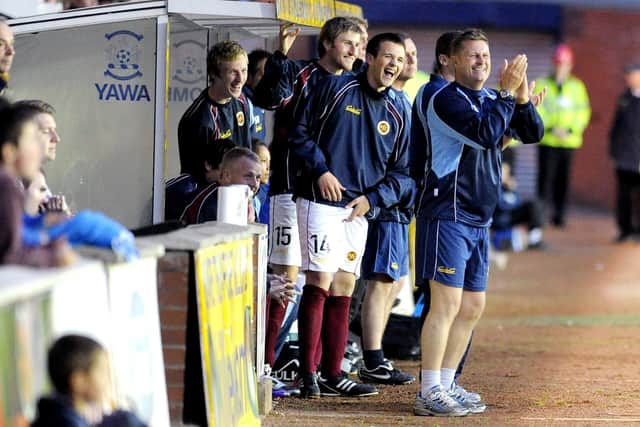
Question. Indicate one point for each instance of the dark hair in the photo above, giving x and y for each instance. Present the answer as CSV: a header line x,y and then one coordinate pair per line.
x,y
38,105
374,44
237,153
12,120
68,354
444,47
468,34
214,152
332,29
227,50
255,57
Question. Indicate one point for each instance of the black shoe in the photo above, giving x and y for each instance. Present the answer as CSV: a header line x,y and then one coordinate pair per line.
x,y
623,237
308,385
385,373
343,386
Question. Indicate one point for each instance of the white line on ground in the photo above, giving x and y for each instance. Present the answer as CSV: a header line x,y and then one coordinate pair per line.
x,y
604,420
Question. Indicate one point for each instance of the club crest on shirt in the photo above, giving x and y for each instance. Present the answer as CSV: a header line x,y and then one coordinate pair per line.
x,y
351,256
240,118
383,127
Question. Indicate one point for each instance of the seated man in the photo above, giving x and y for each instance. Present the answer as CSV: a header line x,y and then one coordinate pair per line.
x,y
239,166
181,190
512,211
20,159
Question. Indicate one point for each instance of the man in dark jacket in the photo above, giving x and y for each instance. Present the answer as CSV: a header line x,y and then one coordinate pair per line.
x,y
625,150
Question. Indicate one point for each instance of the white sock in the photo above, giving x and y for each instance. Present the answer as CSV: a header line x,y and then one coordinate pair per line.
x,y
429,380
535,236
446,377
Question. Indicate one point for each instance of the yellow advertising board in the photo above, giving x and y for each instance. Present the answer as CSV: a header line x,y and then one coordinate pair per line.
x,y
312,13
224,276
347,9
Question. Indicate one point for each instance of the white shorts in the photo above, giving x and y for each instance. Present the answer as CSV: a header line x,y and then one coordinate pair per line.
x,y
328,243
284,241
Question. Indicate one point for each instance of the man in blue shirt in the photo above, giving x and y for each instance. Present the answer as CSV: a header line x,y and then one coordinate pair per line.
x,y
460,190
385,264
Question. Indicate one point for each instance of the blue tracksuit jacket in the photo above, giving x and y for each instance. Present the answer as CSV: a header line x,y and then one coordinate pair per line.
x,y
457,141
359,135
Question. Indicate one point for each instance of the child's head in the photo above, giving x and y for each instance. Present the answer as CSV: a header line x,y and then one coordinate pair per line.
x,y
79,368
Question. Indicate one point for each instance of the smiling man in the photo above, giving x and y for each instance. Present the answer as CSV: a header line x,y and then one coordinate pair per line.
x,y
285,87
353,141
466,123
221,112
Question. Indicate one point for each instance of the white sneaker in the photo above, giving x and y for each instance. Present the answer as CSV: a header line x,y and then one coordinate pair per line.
x,y
438,403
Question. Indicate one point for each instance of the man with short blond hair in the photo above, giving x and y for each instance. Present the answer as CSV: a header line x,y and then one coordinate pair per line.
x,y
221,112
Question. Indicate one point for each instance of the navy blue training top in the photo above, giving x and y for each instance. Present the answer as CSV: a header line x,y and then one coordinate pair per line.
x,y
359,135
460,164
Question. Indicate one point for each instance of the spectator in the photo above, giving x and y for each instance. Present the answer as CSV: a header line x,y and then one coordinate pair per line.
x,y
511,211
624,149
21,157
49,138
80,375
220,112
565,113
6,54
262,197
257,60
239,166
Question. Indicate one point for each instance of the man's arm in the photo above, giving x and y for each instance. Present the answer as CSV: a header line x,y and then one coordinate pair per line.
x,y
482,127
397,187
527,123
419,145
276,86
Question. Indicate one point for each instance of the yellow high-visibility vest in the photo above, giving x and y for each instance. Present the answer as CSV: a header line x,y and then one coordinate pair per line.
x,y
568,109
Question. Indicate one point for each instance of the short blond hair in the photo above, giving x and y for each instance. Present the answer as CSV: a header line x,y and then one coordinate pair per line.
x,y
224,51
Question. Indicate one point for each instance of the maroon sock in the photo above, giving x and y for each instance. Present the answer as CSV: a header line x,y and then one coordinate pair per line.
x,y
275,314
318,358
309,325
335,331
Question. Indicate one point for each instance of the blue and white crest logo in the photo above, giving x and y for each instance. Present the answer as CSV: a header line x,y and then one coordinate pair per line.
x,y
190,65
123,54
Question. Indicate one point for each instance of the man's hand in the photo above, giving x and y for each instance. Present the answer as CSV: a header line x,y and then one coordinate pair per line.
x,y
281,289
57,203
523,92
360,207
288,36
536,99
330,187
513,73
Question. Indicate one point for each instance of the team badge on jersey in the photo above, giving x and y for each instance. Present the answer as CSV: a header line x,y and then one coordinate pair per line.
x,y
394,266
383,127
240,118
351,256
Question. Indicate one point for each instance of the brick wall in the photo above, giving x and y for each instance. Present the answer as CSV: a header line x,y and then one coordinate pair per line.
x,y
603,42
173,278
